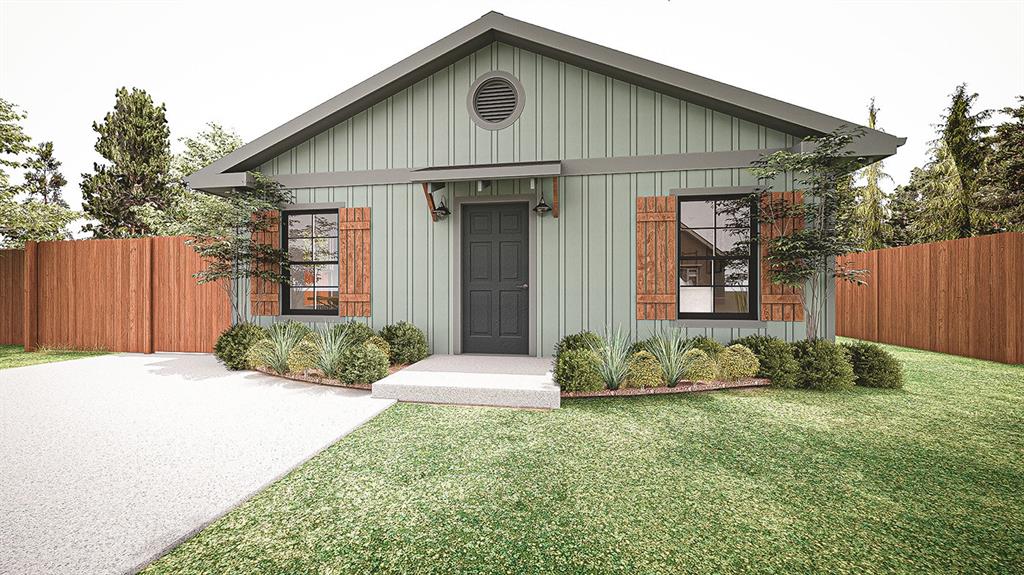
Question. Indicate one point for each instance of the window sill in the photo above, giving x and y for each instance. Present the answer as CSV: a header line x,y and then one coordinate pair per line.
x,y
330,318
742,323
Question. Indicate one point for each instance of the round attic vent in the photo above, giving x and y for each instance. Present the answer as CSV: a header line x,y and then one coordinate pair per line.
x,y
496,100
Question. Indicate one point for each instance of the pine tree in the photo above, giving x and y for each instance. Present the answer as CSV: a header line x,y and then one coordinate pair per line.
x,y
905,206
963,135
43,180
135,140
870,215
1002,184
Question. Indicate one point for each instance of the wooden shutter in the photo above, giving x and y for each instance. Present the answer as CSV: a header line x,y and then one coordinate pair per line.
x,y
265,296
779,303
657,283
354,262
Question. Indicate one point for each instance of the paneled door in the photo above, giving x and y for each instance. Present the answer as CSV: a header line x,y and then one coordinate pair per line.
x,y
495,276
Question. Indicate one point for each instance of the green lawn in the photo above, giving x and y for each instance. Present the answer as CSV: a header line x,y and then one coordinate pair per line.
x,y
15,356
926,479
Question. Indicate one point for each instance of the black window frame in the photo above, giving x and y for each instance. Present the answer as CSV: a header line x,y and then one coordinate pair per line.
x,y
286,308
752,259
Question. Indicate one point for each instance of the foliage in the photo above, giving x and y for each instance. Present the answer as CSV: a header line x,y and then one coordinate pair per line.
x,y
43,179
643,371
273,351
1002,188
669,349
232,346
736,362
945,210
873,366
962,134
613,352
331,344
581,340
905,211
871,220
135,139
775,359
359,332
304,356
699,365
708,345
13,140
381,343
203,149
363,364
804,257
577,370
32,221
824,365
408,343
641,345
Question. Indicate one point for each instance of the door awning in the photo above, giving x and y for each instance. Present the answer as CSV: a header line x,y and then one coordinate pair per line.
x,y
486,172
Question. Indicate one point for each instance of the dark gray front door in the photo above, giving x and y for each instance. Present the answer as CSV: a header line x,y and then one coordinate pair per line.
x,y
495,276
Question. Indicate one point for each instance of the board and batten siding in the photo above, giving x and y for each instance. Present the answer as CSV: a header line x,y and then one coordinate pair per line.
x,y
586,258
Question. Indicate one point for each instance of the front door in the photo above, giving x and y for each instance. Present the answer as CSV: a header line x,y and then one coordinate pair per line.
x,y
495,272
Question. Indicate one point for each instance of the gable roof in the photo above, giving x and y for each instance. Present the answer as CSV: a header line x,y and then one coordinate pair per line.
x,y
493,26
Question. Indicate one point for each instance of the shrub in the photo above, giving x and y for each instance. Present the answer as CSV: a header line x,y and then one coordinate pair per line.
x,y
363,363
699,365
581,340
642,345
669,349
613,351
273,351
303,356
381,343
736,362
299,327
358,332
576,370
408,344
823,365
643,371
707,345
775,357
232,347
873,366
330,344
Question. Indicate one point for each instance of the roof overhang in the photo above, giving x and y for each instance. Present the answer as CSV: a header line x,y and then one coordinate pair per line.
x,y
776,114
487,172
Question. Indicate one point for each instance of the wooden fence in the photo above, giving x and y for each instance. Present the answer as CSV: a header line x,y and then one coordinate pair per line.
x,y
134,295
964,297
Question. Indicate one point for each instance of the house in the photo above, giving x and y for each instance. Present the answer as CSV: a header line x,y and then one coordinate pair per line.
x,y
509,184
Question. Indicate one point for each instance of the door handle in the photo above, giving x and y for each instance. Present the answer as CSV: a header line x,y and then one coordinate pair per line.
x,y
524,286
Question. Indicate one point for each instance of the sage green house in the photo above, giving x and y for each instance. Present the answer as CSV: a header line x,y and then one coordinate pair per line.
x,y
508,185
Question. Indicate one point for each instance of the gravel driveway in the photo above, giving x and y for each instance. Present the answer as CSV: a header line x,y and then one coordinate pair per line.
x,y
107,462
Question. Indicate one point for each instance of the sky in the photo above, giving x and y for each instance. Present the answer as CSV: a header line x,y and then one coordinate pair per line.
x,y
253,65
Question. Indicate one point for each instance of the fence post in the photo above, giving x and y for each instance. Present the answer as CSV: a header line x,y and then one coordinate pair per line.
x,y
147,290
30,300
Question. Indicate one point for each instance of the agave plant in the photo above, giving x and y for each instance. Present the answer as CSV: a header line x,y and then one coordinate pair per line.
x,y
331,343
669,348
613,351
273,352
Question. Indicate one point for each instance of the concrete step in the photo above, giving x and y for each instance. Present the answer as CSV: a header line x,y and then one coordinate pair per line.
x,y
428,384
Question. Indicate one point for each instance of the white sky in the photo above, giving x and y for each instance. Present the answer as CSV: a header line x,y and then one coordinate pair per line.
x,y
252,66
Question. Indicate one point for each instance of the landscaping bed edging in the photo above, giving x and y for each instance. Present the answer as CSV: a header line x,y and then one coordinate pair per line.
x,y
682,387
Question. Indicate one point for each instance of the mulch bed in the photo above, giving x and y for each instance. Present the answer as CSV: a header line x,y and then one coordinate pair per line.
x,y
313,378
683,387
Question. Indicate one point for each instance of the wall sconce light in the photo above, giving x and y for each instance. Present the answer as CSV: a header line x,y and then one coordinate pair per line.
x,y
542,207
441,211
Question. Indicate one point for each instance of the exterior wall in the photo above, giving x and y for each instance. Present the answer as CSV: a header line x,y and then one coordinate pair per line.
x,y
586,258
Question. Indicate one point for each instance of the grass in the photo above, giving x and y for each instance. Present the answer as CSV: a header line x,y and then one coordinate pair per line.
x,y
925,479
16,356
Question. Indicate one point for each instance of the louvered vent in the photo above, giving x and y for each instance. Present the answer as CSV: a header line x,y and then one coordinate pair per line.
x,y
495,100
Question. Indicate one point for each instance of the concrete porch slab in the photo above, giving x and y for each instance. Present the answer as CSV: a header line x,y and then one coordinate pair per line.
x,y
496,380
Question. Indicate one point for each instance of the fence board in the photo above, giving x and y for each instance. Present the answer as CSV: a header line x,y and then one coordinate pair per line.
x,y
964,297
12,285
186,316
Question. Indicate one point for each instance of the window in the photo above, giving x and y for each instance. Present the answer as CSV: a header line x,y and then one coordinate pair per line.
x,y
311,239
717,265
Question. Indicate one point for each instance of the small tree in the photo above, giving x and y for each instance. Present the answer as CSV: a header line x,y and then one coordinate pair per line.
x,y
805,256
963,137
873,231
43,180
32,220
13,140
203,149
1002,188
